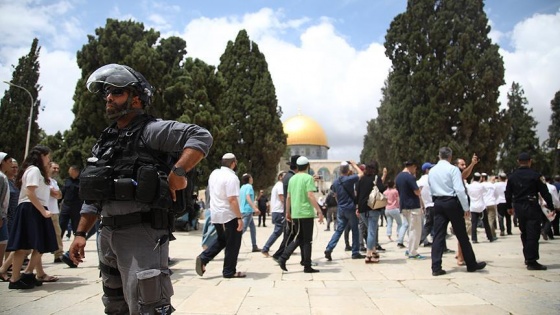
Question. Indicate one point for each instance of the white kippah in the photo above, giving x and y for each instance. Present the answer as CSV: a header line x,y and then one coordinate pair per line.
x,y
302,160
228,156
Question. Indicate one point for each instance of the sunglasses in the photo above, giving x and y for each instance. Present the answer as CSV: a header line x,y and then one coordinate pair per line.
x,y
114,92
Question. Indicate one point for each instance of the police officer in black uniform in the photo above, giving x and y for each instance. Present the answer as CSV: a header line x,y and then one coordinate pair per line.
x,y
133,179
522,197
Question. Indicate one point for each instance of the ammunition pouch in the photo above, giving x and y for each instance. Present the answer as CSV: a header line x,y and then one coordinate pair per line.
x,y
96,183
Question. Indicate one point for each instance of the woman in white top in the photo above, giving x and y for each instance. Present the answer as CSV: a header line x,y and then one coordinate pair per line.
x,y
32,228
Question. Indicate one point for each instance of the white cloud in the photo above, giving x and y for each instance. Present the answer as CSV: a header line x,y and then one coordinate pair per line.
x,y
534,63
323,76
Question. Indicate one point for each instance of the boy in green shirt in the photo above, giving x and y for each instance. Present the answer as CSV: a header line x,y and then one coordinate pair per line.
x,y
301,207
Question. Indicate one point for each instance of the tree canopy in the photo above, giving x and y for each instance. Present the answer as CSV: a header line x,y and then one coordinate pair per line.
x,y
442,89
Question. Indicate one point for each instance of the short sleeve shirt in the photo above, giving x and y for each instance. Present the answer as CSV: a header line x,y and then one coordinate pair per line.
x,y
32,177
406,185
223,183
246,190
300,206
53,202
275,204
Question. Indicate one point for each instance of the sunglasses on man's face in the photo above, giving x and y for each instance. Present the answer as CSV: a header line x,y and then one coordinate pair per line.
x,y
114,92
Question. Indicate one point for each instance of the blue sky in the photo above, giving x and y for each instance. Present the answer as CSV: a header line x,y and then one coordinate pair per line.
x,y
326,57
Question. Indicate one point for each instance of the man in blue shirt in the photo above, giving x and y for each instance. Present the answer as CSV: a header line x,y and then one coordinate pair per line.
x,y
450,205
347,213
409,199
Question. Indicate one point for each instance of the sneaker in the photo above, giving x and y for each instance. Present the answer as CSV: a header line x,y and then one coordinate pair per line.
x,y
256,249
310,270
438,273
31,279
479,266
328,255
66,259
379,248
535,266
348,248
363,249
417,257
502,233
401,245
358,256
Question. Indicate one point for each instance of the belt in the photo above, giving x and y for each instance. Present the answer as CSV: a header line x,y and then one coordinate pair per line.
x,y
444,198
126,219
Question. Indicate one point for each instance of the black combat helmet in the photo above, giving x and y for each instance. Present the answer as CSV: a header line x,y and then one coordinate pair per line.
x,y
120,76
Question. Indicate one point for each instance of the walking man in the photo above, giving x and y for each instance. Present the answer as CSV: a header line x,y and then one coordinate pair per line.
x,y
277,212
522,190
226,217
450,205
347,212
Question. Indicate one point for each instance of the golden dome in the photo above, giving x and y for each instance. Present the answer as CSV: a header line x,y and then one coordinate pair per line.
x,y
302,130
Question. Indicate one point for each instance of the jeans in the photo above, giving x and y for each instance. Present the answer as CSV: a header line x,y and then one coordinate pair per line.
x,y
346,217
248,222
209,235
393,214
402,230
372,225
278,221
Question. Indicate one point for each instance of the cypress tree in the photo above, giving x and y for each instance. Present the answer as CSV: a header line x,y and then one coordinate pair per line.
x,y
522,136
443,86
253,128
554,131
16,104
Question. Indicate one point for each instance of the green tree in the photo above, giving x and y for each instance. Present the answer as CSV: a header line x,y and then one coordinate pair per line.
x,y
522,136
123,42
16,103
554,131
443,86
253,129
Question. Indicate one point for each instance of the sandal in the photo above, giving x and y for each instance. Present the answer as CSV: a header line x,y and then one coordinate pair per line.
x,y
375,255
47,278
238,274
371,260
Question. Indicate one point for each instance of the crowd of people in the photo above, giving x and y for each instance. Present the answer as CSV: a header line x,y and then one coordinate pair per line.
x,y
127,188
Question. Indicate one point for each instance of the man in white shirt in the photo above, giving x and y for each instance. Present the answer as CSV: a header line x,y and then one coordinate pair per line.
x,y
476,191
55,195
490,201
277,213
499,194
226,217
549,230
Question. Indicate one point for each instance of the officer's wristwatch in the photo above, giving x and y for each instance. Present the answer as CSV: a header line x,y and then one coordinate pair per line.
x,y
179,171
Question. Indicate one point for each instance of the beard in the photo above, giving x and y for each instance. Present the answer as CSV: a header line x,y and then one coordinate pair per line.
x,y
113,109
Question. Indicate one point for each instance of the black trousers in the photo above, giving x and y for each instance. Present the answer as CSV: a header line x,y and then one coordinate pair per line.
x,y
504,215
475,216
302,229
529,216
72,216
263,217
287,238
447,210
428,224
230,240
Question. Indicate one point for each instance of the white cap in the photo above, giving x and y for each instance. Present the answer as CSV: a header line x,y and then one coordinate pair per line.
x,y
3,156
477,174
302,160
228,156
484,174
343,163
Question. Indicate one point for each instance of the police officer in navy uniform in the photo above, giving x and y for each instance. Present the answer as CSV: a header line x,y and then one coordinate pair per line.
x,y
133,179
522,197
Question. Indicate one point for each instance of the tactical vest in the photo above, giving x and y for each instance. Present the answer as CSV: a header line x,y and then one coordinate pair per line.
x,y
124,168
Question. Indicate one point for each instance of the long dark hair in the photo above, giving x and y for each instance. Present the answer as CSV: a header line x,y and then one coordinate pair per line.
x,y
35,158
372,168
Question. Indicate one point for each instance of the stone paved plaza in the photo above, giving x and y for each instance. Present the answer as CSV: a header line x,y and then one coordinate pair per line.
x,y
344,286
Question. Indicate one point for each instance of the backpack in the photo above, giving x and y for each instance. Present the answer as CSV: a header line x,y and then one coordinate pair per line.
x,y
331,200
376,199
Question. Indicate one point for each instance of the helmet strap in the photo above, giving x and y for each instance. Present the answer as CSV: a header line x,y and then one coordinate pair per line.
x,y
129,109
